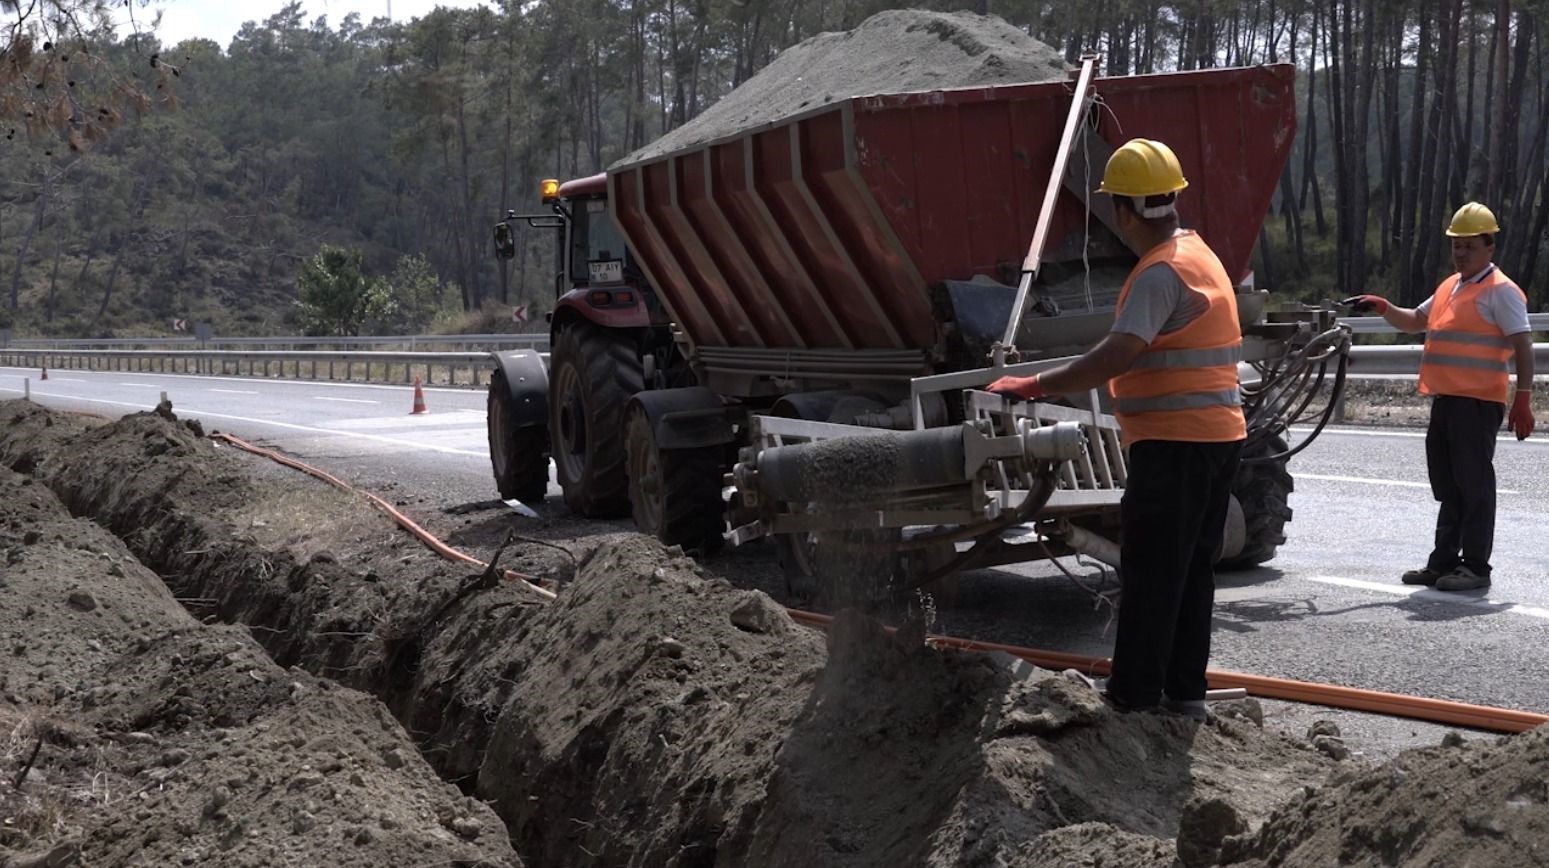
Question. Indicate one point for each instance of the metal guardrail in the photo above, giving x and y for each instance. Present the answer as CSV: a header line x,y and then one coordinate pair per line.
x,y
408,343
460,369
1404,361
1376,325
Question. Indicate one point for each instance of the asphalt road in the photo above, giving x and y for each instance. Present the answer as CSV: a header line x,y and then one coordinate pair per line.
x,y
1329,608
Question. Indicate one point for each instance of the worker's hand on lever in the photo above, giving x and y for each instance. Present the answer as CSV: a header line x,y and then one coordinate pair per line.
x,y
1026,388
1520,419
1367,304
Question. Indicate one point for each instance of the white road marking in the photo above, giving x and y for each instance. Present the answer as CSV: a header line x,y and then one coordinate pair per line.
x,y
428,420
1504,436
345,400
141,385
375,438
233,391
1361,480
1425,593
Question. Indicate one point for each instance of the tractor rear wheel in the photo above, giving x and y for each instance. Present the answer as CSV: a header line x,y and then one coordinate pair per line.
x,y
592,375
675,494
1264,491
518,454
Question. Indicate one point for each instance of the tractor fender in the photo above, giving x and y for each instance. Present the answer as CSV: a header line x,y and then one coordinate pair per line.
x,y
690,418
527,379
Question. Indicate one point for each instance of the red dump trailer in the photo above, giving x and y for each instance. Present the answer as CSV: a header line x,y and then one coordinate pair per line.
x,y
843,273
829,230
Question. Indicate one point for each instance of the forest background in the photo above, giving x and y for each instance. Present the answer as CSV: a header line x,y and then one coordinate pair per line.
x,y
222,183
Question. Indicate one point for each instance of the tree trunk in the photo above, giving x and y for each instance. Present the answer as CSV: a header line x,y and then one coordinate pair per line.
x,y
1409,191
26,243
53,282
1495,193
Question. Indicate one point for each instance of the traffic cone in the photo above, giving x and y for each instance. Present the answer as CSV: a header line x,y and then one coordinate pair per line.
x,y
45,373
419,399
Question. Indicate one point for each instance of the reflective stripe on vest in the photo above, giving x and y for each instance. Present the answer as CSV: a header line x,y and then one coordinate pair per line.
x,y
1465,354
1185,401
1184,385
1190,358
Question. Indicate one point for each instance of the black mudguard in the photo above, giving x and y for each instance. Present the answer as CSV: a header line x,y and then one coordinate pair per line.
x,y
527,378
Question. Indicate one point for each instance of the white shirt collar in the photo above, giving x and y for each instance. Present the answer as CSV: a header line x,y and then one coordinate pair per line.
x,y
1475,278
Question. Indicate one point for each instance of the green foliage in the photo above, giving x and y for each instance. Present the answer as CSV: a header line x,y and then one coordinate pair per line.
x,y
408,300
403,141
336,296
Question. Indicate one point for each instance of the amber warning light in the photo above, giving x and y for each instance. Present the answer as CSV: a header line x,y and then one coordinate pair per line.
x,y
549,189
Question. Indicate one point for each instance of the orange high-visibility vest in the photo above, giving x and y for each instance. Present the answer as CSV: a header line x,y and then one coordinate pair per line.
x,y
1184,386
1466,354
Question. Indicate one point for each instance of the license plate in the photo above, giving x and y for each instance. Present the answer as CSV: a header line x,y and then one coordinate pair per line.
x,y
607,271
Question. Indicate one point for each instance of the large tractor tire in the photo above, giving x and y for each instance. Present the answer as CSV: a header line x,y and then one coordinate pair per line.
x,y
592,375
675,494
518,454
1264,491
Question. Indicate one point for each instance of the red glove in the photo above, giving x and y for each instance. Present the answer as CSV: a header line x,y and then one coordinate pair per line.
x,y
1363,303
1520,419
1026,388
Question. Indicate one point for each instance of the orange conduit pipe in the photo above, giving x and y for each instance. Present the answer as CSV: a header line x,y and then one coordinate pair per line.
x,y
429,539
1332,696
1355,699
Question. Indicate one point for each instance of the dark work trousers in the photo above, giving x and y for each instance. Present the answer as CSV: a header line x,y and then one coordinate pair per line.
x,y
1460,454
1174,513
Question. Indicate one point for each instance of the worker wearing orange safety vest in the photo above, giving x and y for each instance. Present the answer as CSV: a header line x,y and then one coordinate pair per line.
x,y
1170,362
1474,323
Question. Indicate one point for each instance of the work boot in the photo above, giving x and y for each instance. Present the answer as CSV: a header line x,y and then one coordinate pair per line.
x,y
1462,579
1194,708
1422,576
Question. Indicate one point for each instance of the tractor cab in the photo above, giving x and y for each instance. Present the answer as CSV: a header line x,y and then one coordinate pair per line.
x,y
597,278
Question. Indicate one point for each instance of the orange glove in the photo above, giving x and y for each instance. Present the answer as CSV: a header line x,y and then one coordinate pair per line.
x,y
1367,303
1520,419
1026,388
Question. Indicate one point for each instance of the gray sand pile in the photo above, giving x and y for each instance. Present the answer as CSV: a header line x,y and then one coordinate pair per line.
x,y
898,51
1462,803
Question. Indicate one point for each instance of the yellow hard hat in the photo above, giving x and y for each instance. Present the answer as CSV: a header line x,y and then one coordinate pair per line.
x,y
1473,219
1142,167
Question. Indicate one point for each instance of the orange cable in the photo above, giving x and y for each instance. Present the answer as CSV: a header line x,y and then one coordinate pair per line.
x,y
1332,696
1328,695
429,539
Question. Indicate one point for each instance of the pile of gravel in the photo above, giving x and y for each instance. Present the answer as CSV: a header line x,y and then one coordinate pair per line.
x,y
897,51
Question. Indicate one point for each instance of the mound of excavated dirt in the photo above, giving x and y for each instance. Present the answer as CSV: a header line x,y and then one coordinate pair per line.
x,y
142,737
649,716
1473,803
898,51
650,706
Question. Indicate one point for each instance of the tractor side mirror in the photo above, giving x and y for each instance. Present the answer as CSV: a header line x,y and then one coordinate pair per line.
x,y
505,240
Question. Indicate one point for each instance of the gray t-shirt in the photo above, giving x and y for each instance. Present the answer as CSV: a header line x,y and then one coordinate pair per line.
x,y
1501,305
1159,304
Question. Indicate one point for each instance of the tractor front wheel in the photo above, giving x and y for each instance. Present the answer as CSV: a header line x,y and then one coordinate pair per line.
x,y
592,375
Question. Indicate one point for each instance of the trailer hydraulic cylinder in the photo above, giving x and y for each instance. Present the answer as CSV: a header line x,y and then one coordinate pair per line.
x,y
852,469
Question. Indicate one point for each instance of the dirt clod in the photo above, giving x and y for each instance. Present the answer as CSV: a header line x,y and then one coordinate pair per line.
x,y
82,601
1204,824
